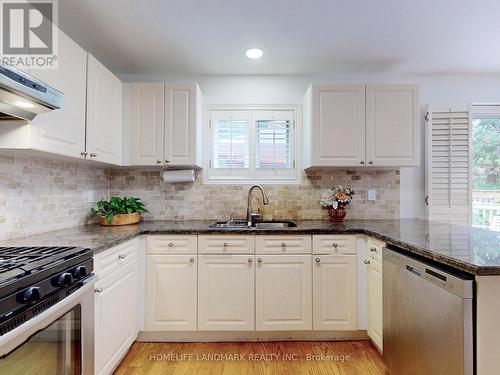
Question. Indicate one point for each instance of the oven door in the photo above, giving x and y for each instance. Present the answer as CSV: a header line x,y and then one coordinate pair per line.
x,y
59,341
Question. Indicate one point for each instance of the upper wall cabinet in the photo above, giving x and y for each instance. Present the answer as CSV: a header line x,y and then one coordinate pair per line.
x,y
392,125
357,125
144,119
104,113
163,124
62,131
334,126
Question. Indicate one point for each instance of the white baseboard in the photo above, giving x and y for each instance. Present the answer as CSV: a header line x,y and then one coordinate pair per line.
x,y
220,336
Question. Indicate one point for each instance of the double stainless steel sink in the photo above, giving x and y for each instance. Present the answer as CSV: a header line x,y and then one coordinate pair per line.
x,y
259,224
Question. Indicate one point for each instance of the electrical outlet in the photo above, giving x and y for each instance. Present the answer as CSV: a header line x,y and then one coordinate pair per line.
x,y
89,196
372,195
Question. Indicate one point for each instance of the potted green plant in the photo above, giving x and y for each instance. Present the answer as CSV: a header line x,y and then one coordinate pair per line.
x,y
119,211
335,200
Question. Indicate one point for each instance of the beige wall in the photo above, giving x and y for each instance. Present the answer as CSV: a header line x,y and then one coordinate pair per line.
x,y
38,195
42,195
191,201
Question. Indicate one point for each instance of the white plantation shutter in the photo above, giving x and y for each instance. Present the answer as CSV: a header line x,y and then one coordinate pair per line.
x,y
448,175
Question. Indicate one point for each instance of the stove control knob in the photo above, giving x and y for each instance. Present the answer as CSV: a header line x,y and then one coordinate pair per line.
x,y
31,295
80,272
64,279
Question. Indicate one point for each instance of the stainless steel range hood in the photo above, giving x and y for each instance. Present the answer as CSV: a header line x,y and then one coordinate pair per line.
x,y
22,97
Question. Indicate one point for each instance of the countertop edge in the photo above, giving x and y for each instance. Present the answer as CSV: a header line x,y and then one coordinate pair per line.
x,y
428,254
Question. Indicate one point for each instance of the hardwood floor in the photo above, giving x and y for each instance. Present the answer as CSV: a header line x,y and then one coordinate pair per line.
x,y
281,357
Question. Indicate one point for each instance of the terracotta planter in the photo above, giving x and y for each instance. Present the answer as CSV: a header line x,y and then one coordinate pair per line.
x,y
337,215
121,219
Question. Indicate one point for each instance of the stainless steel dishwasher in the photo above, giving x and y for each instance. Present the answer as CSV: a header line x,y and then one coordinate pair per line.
x,y
428,318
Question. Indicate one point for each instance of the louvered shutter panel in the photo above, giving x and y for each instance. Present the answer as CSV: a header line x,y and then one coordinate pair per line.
x,y
448,163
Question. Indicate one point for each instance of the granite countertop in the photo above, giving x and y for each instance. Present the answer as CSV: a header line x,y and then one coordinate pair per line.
x,y
472,250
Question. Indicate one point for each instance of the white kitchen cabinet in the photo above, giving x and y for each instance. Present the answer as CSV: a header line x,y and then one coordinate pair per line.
x,y
104,114
163,124
116,316
171,292
358,125
283,295
334,126
183,125
144,105
392,125
226,292
62,131
374,301
335,292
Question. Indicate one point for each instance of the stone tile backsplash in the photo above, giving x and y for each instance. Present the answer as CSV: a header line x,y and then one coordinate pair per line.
x,y
196,201
38,195
42,195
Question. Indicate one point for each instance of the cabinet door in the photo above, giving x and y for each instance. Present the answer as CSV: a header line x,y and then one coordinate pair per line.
x,y
338,126
181,122
283,293
116,317
145,112
374,308
392,125
171,292
226,293
335,292
62,131
104,114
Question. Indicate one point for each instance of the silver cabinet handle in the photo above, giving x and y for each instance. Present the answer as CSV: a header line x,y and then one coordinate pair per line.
x,y
191,260
373,249
335,245
259,260
370,162
122,256
167,161
83,153
317,260
98,290
361,162
366,261
158,161
93,154
250,260
226,244
171,244
283,244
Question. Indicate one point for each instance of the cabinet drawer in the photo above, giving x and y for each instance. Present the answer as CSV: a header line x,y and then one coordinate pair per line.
x,y
331,244
374,248
113,259
283,244
226,244
176,244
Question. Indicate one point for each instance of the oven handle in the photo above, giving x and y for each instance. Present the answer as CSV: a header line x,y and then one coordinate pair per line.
x,y
19,335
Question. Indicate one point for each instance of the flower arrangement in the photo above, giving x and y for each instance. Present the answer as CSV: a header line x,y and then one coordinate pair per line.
x,y
335,199
336,196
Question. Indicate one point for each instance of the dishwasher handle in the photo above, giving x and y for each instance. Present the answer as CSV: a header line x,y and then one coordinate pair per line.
x,y
413,270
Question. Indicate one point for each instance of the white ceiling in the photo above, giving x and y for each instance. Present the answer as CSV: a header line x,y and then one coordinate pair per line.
x,y
297,36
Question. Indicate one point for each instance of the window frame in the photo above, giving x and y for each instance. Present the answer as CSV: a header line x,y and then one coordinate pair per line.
x,y
252,177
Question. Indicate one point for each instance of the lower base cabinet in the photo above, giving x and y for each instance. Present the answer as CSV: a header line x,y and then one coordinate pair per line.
x,y
116,317
283,295
374,305
171,292
226,292
335,292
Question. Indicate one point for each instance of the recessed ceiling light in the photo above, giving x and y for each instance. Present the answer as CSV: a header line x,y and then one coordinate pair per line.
x,y
254,53
23,104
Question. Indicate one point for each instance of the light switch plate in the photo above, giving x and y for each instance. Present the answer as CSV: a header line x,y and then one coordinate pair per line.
x,y
89,196
372,195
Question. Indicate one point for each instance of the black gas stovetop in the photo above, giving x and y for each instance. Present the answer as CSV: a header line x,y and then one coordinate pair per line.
x,y
30,275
